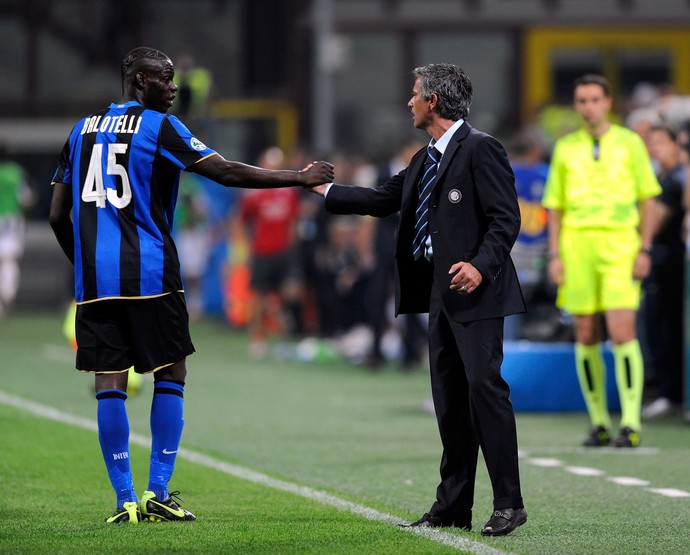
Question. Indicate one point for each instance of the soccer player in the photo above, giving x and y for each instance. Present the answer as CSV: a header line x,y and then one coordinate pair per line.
x,y
16,196
599,194
114,194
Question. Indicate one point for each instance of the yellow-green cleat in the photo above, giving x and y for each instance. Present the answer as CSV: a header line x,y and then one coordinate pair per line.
x,y
627,438
129,512
598,437
155,510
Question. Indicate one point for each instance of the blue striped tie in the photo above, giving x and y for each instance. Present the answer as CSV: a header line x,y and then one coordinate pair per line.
x,y
421,226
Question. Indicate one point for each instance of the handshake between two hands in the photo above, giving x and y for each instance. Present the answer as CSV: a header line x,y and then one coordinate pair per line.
x,y
318,175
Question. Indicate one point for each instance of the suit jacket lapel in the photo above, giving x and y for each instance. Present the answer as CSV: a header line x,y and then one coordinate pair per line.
x,y
453,147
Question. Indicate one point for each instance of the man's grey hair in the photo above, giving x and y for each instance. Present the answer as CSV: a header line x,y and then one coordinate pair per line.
x,y
452,87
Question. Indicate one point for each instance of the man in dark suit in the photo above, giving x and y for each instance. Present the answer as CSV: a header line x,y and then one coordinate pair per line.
x,y
459,218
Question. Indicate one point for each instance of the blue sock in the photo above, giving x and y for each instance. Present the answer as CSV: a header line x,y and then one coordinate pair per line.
x,y
166,430
113,434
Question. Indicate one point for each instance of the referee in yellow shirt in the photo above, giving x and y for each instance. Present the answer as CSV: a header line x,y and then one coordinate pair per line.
x,y
599,194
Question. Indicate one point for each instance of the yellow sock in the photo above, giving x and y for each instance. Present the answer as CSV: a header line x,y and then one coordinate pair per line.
x,y
629,378
134,382
591,371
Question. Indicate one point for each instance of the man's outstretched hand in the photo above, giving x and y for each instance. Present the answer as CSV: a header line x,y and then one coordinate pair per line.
x,y
318,173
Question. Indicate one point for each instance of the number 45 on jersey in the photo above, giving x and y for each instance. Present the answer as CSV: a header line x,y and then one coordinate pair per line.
x,y
94,189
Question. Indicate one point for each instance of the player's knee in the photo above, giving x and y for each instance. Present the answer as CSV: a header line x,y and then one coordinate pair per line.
x,y
175,372
111,381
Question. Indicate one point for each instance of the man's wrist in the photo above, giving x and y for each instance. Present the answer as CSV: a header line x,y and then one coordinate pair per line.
x,y
551,255
328,188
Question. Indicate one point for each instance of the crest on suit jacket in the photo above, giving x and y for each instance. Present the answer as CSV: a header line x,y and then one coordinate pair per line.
x,y
454,196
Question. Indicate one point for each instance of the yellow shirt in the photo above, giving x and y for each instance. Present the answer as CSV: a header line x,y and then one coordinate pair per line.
x,y
600,189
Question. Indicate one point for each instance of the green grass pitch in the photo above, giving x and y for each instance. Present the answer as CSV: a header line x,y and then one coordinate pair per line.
x,y
359,437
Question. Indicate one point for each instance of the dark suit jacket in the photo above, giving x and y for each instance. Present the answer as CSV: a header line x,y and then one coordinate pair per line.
x,y
473,217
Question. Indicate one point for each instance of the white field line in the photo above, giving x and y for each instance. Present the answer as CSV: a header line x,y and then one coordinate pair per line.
x,y
464,544
628,481
669,492
637,451
584,471
590,472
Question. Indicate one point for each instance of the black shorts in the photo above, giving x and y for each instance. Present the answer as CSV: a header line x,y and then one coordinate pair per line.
x,y
149,334
270,272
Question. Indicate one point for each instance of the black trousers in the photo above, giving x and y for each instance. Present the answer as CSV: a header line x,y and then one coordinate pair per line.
x,y
473,410
663,312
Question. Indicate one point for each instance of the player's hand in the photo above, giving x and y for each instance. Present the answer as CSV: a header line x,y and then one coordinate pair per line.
x,y
466,279
317,173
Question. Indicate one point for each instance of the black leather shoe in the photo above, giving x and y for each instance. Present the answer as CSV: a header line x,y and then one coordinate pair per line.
x,y
504,521
432,521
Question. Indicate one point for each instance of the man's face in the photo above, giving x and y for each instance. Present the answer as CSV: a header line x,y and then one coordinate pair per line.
x,y
421,110
159,88
592,104
663,149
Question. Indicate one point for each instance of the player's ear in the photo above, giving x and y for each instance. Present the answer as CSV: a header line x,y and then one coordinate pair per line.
x,y
140,80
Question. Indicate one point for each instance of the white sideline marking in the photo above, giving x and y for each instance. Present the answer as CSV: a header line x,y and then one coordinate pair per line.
x,y
584,471
446,538
545,462
628,481
591,472
590,451
669,492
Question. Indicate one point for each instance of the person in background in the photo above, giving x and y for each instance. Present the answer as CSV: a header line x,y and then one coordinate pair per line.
x,y
600,196
344,274
381,283
270,220
192,235
664,287
459,218
114,195
527,160
16,196
194,87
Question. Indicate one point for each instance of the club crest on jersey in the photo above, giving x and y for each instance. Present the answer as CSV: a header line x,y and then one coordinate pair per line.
x,y
197,144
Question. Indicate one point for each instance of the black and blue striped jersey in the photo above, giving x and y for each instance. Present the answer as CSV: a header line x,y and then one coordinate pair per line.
x,y
123,165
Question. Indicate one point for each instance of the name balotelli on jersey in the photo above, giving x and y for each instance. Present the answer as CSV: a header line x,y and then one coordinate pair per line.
x,y
126,123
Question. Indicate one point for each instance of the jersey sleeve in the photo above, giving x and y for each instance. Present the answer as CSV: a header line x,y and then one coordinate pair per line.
x,y
647,182
178,144
63,173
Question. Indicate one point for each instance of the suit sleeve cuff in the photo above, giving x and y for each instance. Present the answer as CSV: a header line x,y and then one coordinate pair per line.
x,y
328,188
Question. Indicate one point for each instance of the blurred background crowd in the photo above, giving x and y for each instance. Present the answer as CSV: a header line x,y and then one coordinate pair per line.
x,y
281,83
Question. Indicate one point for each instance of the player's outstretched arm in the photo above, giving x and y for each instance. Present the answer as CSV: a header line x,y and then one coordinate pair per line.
x,y
237,174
